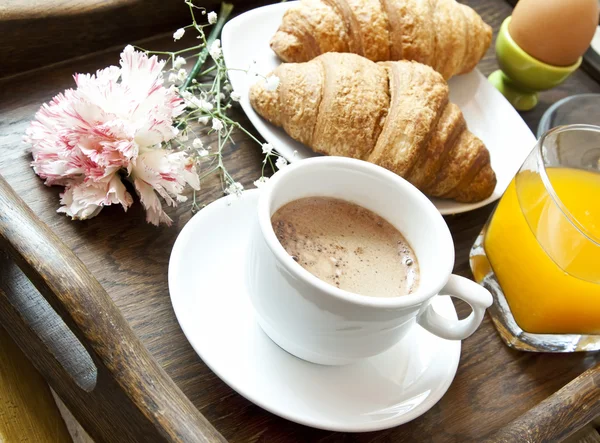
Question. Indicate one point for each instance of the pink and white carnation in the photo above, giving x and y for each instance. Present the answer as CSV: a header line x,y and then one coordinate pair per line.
x,y
114,124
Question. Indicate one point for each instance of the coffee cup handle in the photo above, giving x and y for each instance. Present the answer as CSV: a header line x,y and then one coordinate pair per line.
x,y
467,290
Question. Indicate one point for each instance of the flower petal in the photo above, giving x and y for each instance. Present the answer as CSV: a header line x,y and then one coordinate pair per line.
x,y
86,199
154,210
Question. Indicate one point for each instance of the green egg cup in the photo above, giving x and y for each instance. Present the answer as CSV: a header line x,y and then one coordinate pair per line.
x,y
520,75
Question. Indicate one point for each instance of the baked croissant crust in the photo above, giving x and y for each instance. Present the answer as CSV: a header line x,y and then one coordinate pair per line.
x,y
394,114
443,34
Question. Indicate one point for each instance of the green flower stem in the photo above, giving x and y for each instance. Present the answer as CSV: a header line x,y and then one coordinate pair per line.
x,y
210,171
207,71
218,90
224,14
170,54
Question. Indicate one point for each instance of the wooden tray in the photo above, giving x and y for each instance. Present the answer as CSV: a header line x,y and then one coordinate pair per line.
x,y
107,279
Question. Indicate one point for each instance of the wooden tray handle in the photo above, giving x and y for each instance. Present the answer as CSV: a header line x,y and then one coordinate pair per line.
x,y
133,399
559,416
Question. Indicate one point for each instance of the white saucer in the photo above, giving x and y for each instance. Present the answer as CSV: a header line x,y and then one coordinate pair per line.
x,y
209,296
488,114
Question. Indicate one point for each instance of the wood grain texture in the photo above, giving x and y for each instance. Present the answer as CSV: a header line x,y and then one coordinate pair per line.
x,y
560,415
27,409
494,384
77,432
131,398
588,434
36,33
32,29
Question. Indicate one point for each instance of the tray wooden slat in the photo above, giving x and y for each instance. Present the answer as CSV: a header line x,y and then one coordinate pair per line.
x,y
124,394
494,384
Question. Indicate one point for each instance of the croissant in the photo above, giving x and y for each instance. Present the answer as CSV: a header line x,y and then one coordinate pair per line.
x,y
394,114
443,34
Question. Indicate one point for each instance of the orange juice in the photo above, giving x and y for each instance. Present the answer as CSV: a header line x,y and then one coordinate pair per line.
x,y
549,270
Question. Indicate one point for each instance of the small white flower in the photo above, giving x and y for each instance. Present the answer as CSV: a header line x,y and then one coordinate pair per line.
x,y
267,148
203,120
190,100
215,49
178,34
217,124
197,143
272,83
261,182
235,96
295,153
182,74
202,152
178,62
194,81
227,88
235,188
194,102
281,163
212,17
173,78
221,96
205,106
183,137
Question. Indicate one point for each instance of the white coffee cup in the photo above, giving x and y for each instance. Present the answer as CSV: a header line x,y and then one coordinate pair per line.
x,y
320,323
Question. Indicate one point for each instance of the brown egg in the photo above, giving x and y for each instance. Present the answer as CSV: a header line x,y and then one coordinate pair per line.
x,y
556,32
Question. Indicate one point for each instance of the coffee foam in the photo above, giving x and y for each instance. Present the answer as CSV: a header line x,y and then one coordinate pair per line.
x,y
347,246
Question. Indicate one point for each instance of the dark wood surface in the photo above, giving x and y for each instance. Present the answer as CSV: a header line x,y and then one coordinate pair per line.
x,y
117,391
494,384
36,33
557,416
32,29
27,410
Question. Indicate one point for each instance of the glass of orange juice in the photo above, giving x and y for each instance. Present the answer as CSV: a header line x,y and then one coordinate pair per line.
x,y
539,253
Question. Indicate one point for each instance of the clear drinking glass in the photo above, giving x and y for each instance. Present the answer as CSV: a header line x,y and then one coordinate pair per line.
x,y
539,253
575,109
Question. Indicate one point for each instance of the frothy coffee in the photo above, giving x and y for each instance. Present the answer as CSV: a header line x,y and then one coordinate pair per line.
x,y
347,246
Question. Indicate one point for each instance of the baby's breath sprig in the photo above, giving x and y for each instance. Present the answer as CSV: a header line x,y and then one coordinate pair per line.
x,y
208,97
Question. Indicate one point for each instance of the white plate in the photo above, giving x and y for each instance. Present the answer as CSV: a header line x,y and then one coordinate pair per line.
x,y
207,275
488,114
